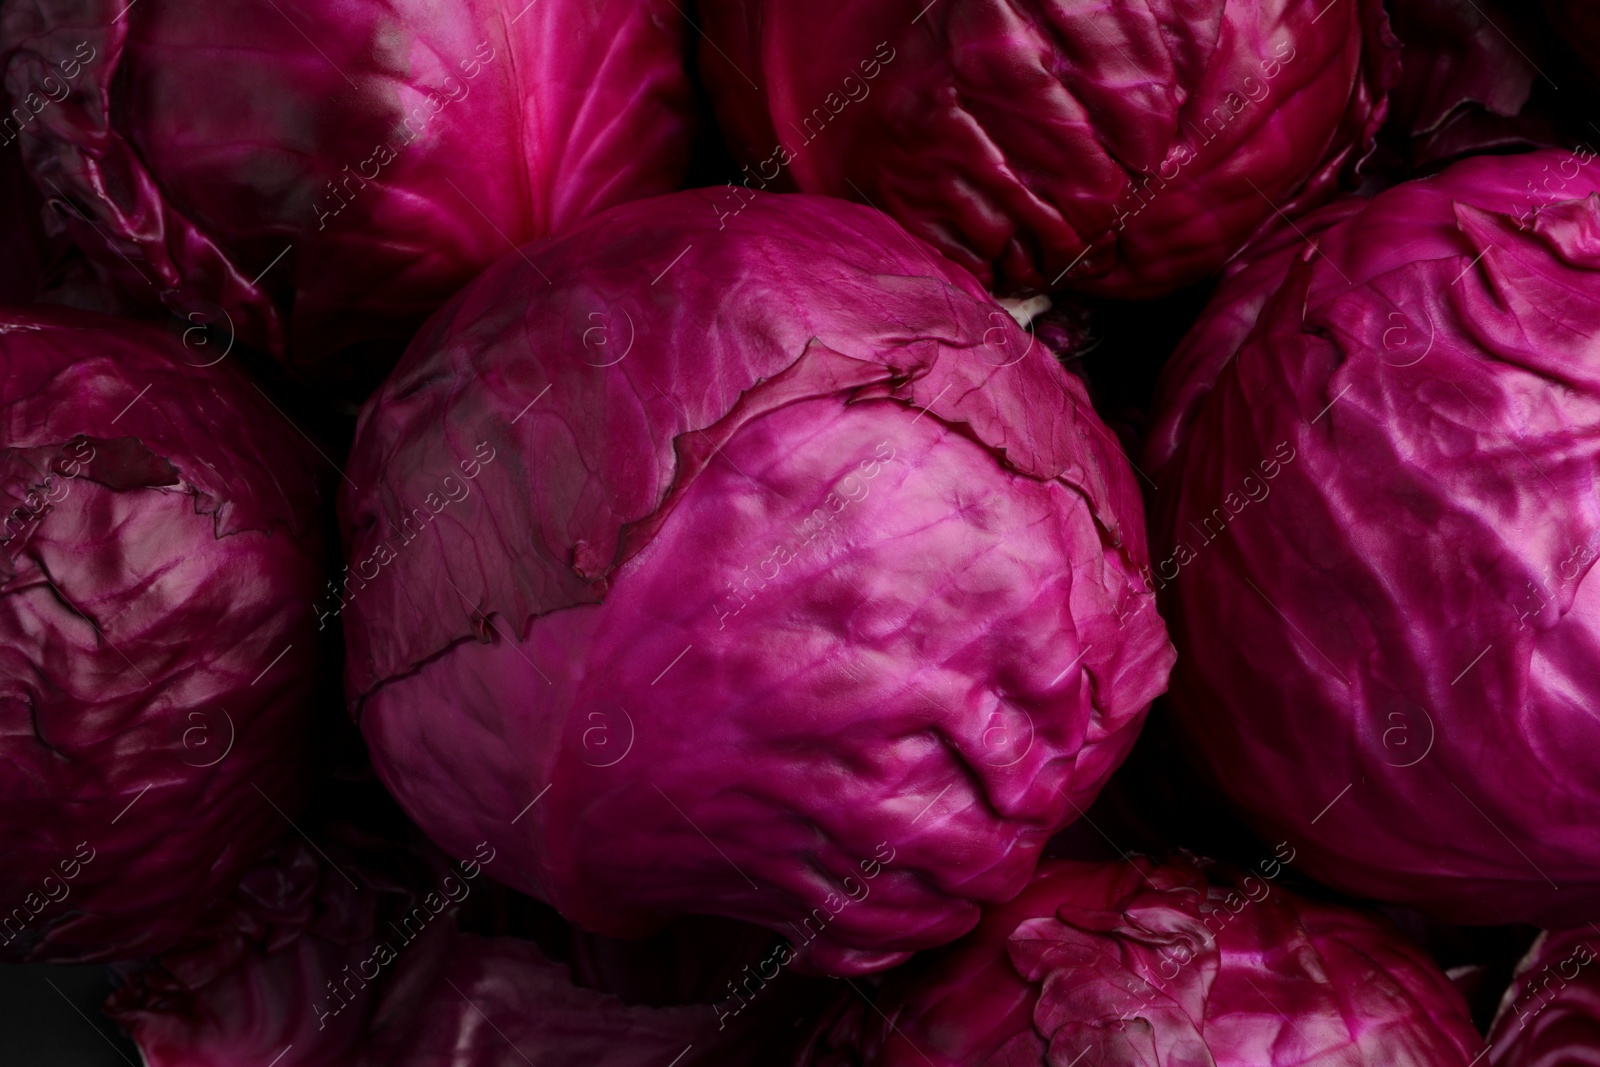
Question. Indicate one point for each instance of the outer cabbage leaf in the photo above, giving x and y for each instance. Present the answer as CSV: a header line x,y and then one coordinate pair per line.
x,y
1467,77
1123,149
266,973
1139,964
1550,1013
159,552
387,152
744,567
1377,519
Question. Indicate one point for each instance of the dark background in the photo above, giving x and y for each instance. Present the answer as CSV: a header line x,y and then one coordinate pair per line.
x,y
62,1026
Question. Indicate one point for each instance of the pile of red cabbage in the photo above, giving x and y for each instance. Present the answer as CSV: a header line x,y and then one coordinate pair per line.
x,y
738,422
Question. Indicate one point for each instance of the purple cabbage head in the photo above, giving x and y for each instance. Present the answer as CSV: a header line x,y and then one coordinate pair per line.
x,y
757,566
355,958
1124,149
160,549
1550,1013
322,176
260,971
1376,526
1180,964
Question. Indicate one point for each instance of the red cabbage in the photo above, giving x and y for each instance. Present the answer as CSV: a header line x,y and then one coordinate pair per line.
x,y
160,550
1179,964
326,175
756,566
1124,149
354,958
1550,1013
1377,517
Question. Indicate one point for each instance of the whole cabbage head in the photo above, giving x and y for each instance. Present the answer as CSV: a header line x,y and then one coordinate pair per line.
x,y
1550,1013
758,566
318,178
160,550
1182,963
1124,149
1377,521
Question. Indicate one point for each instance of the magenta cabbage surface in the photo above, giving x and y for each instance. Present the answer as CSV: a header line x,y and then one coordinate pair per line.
x,y
1550,1014
1123,149
759,567
388,152
357,961
159,552
1376,527
1139,964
